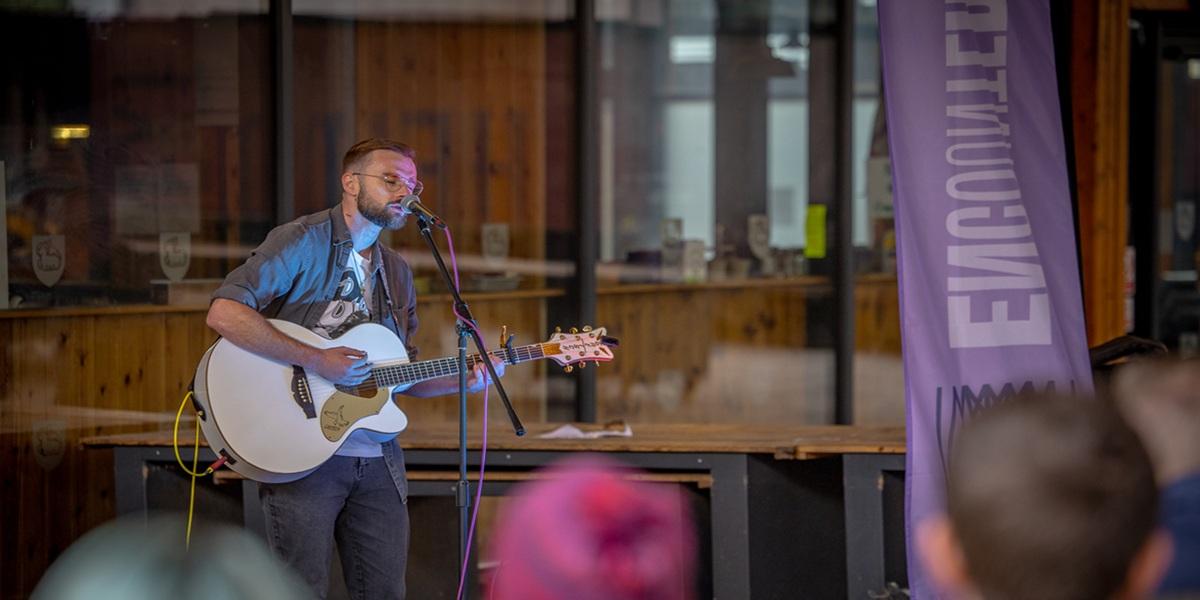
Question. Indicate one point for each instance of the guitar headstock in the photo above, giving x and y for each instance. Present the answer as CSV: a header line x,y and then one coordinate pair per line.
x,y
579,347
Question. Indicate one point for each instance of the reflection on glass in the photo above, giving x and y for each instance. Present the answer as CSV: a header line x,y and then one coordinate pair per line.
x,y
878,370
484,92
712,232
476,88
134,146
1177,313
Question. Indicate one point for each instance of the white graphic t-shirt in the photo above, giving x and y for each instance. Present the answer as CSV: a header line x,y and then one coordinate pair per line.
x,y
350,307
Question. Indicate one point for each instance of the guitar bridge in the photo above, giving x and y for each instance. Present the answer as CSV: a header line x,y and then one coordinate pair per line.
x,y
301,394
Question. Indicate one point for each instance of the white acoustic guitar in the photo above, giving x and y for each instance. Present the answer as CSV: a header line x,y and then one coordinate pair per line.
x,y
275,422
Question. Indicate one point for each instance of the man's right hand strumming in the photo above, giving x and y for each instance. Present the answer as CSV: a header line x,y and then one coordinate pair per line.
x,y
342,365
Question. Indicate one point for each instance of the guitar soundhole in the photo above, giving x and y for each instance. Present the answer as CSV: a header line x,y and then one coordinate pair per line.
x,y
365,389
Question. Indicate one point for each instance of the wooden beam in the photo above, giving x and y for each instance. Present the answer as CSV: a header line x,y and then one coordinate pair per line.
x,y
1100,98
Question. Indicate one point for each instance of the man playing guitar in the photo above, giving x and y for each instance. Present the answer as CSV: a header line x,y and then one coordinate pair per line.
x,y
327,273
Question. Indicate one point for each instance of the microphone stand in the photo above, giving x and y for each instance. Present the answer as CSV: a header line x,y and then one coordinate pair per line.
x,y
466,326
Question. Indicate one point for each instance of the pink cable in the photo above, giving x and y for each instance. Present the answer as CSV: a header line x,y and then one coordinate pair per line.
x,y
462,576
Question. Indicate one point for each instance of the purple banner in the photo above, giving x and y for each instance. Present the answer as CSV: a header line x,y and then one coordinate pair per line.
x,y
989,286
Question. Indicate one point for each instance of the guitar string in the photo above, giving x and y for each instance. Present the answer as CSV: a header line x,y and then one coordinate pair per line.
x,y
423,370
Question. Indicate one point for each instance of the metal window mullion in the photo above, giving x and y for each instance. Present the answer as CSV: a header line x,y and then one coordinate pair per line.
x,y
587,184
843,250
284,146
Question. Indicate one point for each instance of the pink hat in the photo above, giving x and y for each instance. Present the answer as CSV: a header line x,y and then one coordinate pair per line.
x,y
589,532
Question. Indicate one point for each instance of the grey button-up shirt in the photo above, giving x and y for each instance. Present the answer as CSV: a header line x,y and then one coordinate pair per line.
x,y
294,274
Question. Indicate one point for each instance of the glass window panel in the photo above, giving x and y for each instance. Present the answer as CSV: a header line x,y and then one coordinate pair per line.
x,y
135,171
713,263
1177,301
485,94
135,146
878,370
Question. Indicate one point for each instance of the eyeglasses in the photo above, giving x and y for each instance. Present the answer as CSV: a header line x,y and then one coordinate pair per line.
x,y
393,183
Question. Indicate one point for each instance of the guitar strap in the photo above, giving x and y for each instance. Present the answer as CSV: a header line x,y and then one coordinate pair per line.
x,y
384,301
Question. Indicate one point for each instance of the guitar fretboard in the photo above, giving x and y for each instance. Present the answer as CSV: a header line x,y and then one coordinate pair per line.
x,y
410,373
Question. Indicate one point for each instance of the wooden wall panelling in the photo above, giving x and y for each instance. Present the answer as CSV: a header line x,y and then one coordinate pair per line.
x,y
471,98
1099,95
709,355
514,69
877,315
124,372
713,354
220,194
67,378
150,100
23,555
68,509
664,337
144,113
254,212
560,133
324,108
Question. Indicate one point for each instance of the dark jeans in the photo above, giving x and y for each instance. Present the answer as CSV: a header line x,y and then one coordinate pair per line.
x,y
360,502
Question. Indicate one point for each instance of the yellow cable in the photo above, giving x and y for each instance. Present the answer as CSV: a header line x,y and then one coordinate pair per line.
x,y
187,540
175,443
195,461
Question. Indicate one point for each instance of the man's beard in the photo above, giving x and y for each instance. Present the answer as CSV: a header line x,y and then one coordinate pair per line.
x,y
379,214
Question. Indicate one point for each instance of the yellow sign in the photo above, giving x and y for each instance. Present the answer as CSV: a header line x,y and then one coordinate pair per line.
x,y
814,229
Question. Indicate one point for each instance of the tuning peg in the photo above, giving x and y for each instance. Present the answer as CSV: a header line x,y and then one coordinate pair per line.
x,y
574,330
503,334
587,328
568,369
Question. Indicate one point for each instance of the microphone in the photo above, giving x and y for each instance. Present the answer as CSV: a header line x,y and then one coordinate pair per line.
x,y
412,204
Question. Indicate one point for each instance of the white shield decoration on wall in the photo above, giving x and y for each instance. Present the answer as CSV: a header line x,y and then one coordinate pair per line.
x,y
494,240
175,254
1185,219
758,235
49,442
49,256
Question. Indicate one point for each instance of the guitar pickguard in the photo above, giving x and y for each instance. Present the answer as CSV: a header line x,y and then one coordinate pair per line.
x,y
343,410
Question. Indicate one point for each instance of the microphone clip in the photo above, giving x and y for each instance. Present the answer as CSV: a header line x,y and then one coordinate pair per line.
x,y
413,205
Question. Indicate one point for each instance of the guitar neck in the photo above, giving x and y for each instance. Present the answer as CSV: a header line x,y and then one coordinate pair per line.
x,y
412,373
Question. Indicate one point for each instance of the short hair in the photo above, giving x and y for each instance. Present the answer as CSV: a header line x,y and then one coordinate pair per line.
x,y
143,557
588,532
1050,497
358,152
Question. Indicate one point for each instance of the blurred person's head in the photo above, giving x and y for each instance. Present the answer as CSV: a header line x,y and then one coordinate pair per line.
x,y
587,531
1161,400
146,559
1047,498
